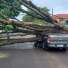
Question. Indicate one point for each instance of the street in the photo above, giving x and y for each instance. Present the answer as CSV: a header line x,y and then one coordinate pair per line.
x,y
28,57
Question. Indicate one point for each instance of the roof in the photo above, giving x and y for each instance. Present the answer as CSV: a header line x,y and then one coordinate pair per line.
x,y
64,16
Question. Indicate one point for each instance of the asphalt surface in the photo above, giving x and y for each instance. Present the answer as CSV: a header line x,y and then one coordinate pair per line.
x,y
29,57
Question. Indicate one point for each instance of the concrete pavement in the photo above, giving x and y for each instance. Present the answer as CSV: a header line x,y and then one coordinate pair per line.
x,y
32,58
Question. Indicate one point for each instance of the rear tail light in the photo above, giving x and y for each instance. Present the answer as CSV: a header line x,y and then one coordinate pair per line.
x,y
49,40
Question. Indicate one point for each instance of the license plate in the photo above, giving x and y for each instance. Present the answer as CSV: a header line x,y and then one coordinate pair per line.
x,y
60,46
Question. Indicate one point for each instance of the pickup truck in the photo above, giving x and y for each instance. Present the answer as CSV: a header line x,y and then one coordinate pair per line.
x,y
54,40
58,40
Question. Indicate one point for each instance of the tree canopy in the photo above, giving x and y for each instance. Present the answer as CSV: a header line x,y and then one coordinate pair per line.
x,y
9,8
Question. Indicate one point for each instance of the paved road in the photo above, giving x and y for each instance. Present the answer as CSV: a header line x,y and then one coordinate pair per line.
x,y
32,58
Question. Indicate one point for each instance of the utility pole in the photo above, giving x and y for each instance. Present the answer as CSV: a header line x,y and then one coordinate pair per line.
x,y
52,12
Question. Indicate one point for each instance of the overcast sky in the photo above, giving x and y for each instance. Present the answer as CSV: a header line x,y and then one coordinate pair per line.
x,y
59,6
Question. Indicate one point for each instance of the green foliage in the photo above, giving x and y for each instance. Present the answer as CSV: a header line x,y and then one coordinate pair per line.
x,y
28,18
9,8
39,22
8,27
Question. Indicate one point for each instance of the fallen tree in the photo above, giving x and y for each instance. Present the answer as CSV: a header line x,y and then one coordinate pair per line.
x,y
32,28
